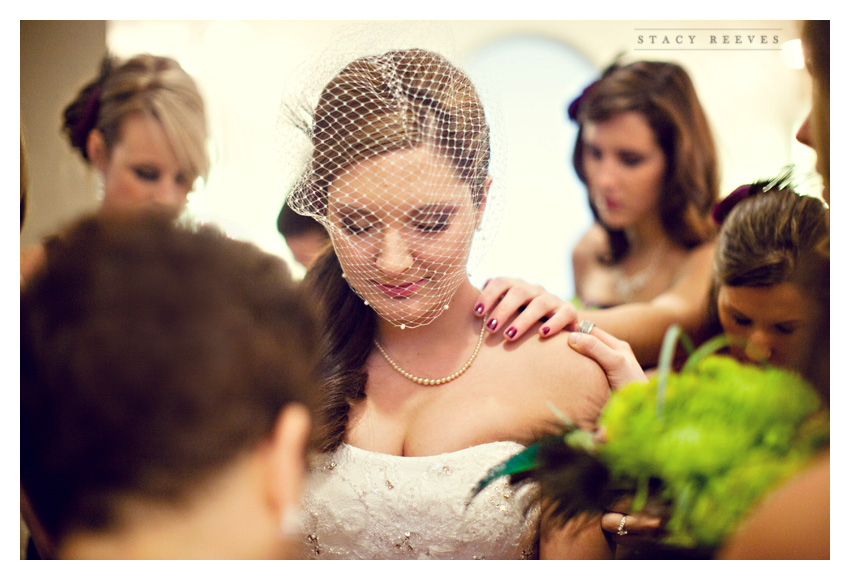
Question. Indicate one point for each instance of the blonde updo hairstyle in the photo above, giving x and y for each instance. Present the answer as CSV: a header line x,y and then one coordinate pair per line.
x,y
150,85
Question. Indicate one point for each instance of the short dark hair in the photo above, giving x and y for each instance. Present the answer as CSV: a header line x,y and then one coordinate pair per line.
x,y
151,357
291,223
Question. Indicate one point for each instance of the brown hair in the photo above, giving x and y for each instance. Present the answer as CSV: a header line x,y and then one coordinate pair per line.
x,y
768,238
815,37
145,84
151,357
398,100
292,224
762,237
664,94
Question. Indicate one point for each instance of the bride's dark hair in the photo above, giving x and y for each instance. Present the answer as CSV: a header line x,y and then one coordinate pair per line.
x,y
346,341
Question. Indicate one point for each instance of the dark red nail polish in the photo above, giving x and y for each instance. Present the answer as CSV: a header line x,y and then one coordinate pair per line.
x,y
479,309
492,324
511,332
545,330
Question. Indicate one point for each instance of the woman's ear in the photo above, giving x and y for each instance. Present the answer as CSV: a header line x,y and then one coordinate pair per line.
x,y
96,150
288,453
479,214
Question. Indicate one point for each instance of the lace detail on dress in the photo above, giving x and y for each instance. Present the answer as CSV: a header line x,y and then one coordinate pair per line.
x,y
365,505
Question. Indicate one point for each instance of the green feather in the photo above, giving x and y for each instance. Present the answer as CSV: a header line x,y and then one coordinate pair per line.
x,y
523,461
529,459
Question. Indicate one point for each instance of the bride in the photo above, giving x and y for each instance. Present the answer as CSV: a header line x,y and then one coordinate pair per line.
x,y
420,401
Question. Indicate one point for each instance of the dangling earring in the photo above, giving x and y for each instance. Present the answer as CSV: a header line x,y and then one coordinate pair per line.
x,y
100,193
290,522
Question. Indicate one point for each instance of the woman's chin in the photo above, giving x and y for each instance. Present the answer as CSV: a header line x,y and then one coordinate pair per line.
x,y
409,317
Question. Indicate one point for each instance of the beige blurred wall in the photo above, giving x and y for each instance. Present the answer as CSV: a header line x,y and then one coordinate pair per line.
x,y
57,57
753,101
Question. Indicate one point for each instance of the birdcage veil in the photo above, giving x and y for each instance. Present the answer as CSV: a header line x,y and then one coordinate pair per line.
x,y
387,144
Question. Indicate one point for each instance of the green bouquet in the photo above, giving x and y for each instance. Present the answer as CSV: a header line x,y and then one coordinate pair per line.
x,y
707,443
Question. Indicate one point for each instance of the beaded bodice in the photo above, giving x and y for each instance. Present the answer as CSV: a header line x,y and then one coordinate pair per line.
x,y
366,505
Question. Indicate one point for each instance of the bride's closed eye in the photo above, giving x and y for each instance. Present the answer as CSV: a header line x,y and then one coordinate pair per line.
x,y
433,220
357,222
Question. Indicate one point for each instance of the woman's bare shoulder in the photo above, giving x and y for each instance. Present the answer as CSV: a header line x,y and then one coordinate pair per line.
x,y
705,248
700,255
574,383
556,356
591,245
586,258
32,258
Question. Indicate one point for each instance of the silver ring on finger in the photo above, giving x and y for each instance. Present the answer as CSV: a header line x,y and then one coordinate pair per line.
x,y
621,530
585,326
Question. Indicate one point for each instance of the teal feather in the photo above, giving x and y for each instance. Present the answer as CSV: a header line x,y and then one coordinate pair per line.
x,y
523,461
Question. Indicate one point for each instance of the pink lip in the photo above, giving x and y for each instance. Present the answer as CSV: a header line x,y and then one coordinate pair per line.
x,y
402,290
611,204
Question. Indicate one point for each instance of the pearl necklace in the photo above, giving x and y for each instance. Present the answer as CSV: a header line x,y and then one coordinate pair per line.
x,y
432,382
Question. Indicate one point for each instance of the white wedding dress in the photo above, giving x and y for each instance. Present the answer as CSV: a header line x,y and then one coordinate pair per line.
x,y
365,505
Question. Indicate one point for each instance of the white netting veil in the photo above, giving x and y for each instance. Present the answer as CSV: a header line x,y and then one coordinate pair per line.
x,y
396,165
